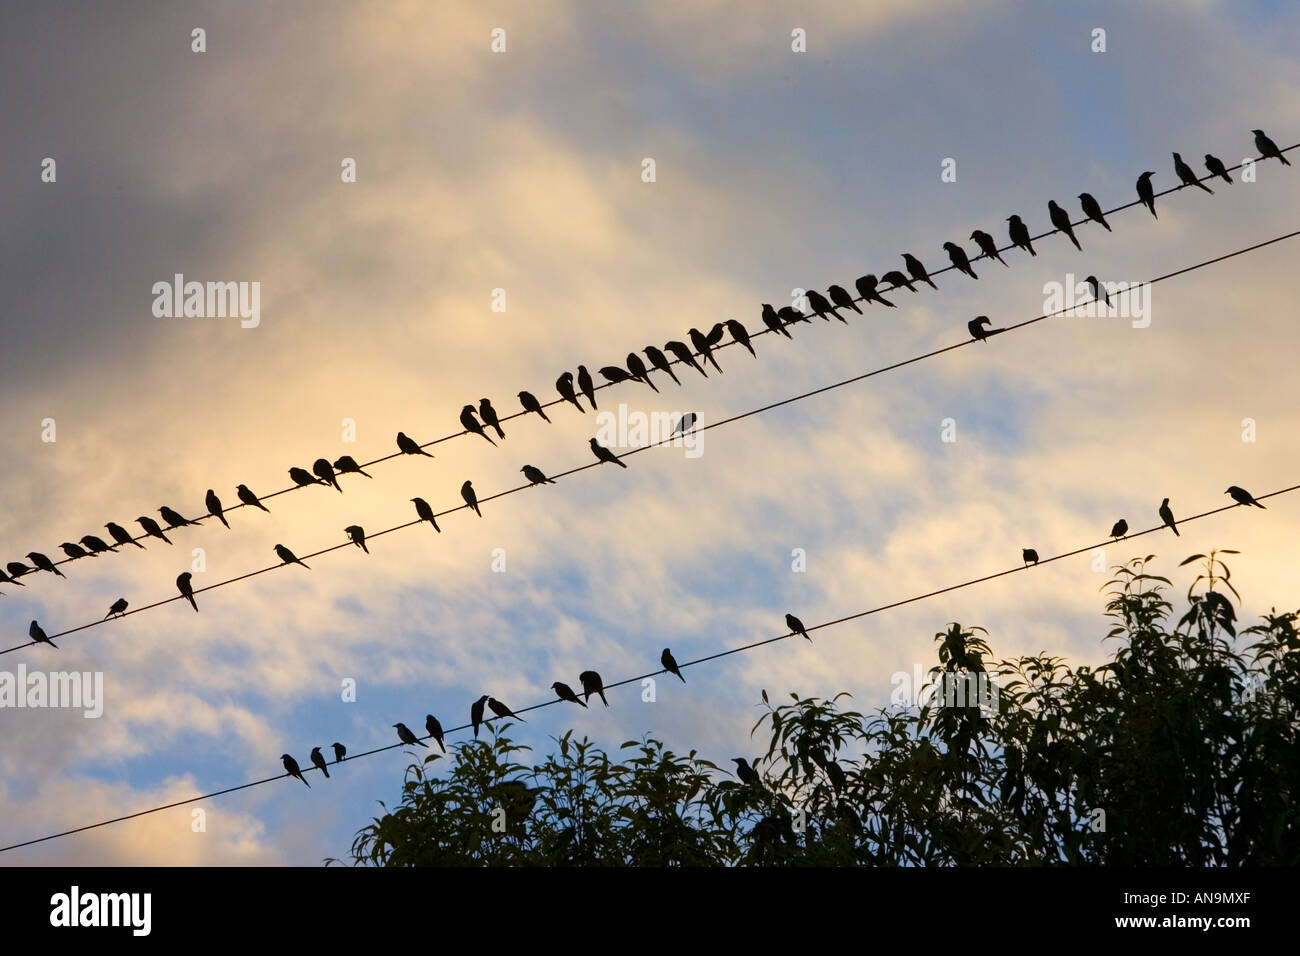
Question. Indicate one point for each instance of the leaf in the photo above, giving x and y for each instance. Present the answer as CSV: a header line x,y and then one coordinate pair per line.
x,y
1187,561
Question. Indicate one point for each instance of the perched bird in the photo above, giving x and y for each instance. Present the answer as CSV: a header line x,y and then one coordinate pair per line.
x,y
319,760
613,374
287,556
796,627
564,385
773,321
186,587
322,469
471,499
1216,168
917,271
535,476
701,343
1167,516
1029,556
840,296
1119,529
434,730
1188,175
97,545
116,609
747,774
476,712
358,536
685,355
1267,148
670,664
291,767
866,286
660,361
592,684
248,498
604,454
121,535
75,551
39,636
790,315
213,504
1092,209
716,333
471,424
977,330
684,424
741,334
490,417
302,477
5,579
958,256
822,306
1098,290
565,692
1020,234
897,279
1146,192
174,519
1242,496
43,563
639,370
339,752
530,404
501,710
346,465
409,446
426,513
587,385
405,735
988,246
1061,220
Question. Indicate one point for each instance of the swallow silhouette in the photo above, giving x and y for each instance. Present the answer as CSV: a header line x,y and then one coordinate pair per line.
x,y
322,469
716,333
958,256
866,286
1119,529
840,296
405,735
1092,209
339,752
471,424
121,535
1267,148
976,327
97,545
1098,290
42,563
426,513
564,385
185,585
116,609
1146,192
701,343
796,626
16,570
587,385
75,551
471,499
773,321
790,315
660,361
530,404
670,664
434,730
1188,175
1061,220
1216,168
287,556
1029,556
592,684
895,279
613,374
358,536
747,774
39,636
917,271
152,527
490,417
1019,233
213,504
409,446
639,370
685,355
741,334
476,712
501,710
319,760
988,246
1167,516
1242,496
565,692
347,465
302,477
535,476
604,454
291,767
248,498
684,424
822,306
174,519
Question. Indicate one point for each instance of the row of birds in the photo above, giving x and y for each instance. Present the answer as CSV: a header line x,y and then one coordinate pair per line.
x,y
569,386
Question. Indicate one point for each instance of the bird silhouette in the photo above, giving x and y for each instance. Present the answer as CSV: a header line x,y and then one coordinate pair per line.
x,y
684,424
988,246
405,735
958,256
796,627
639,370
917,271
322,469
339,752
535,476
747,774
866,286
319,760
116,609
604,454
1029,556
174,519
1267,148
291,767
1216,168
587,385
471,424
75,551
358,536
1119,529
501,710
409,446
38,635
530,404
1188,176
42,563
476,712
716,333
213,504
701,343
565,692
287,556
977,329
840,296
592,684
660,361
822,306
471,499
1061,220
1242,496
97,545
741,334
685,355
1019,233
490,417
248,498
346,465
426,513
790,315
1167,516
1092,209
896,279
185,585
434,730
1146,192
670,664
16,570
5,579
613,374
121,535
564,385
302,477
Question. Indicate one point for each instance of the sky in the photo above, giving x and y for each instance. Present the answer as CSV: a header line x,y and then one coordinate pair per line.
x,y
775,171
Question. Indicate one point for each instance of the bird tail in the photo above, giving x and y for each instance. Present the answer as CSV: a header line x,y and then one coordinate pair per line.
x,y
679,674
324,771
602,698
619,461
364,548
305,783
59,573
1285,161
545,419
224,521
190,598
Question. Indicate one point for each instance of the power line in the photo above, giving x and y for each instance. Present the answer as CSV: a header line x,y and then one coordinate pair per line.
x,y
660,443
671,362
636,680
